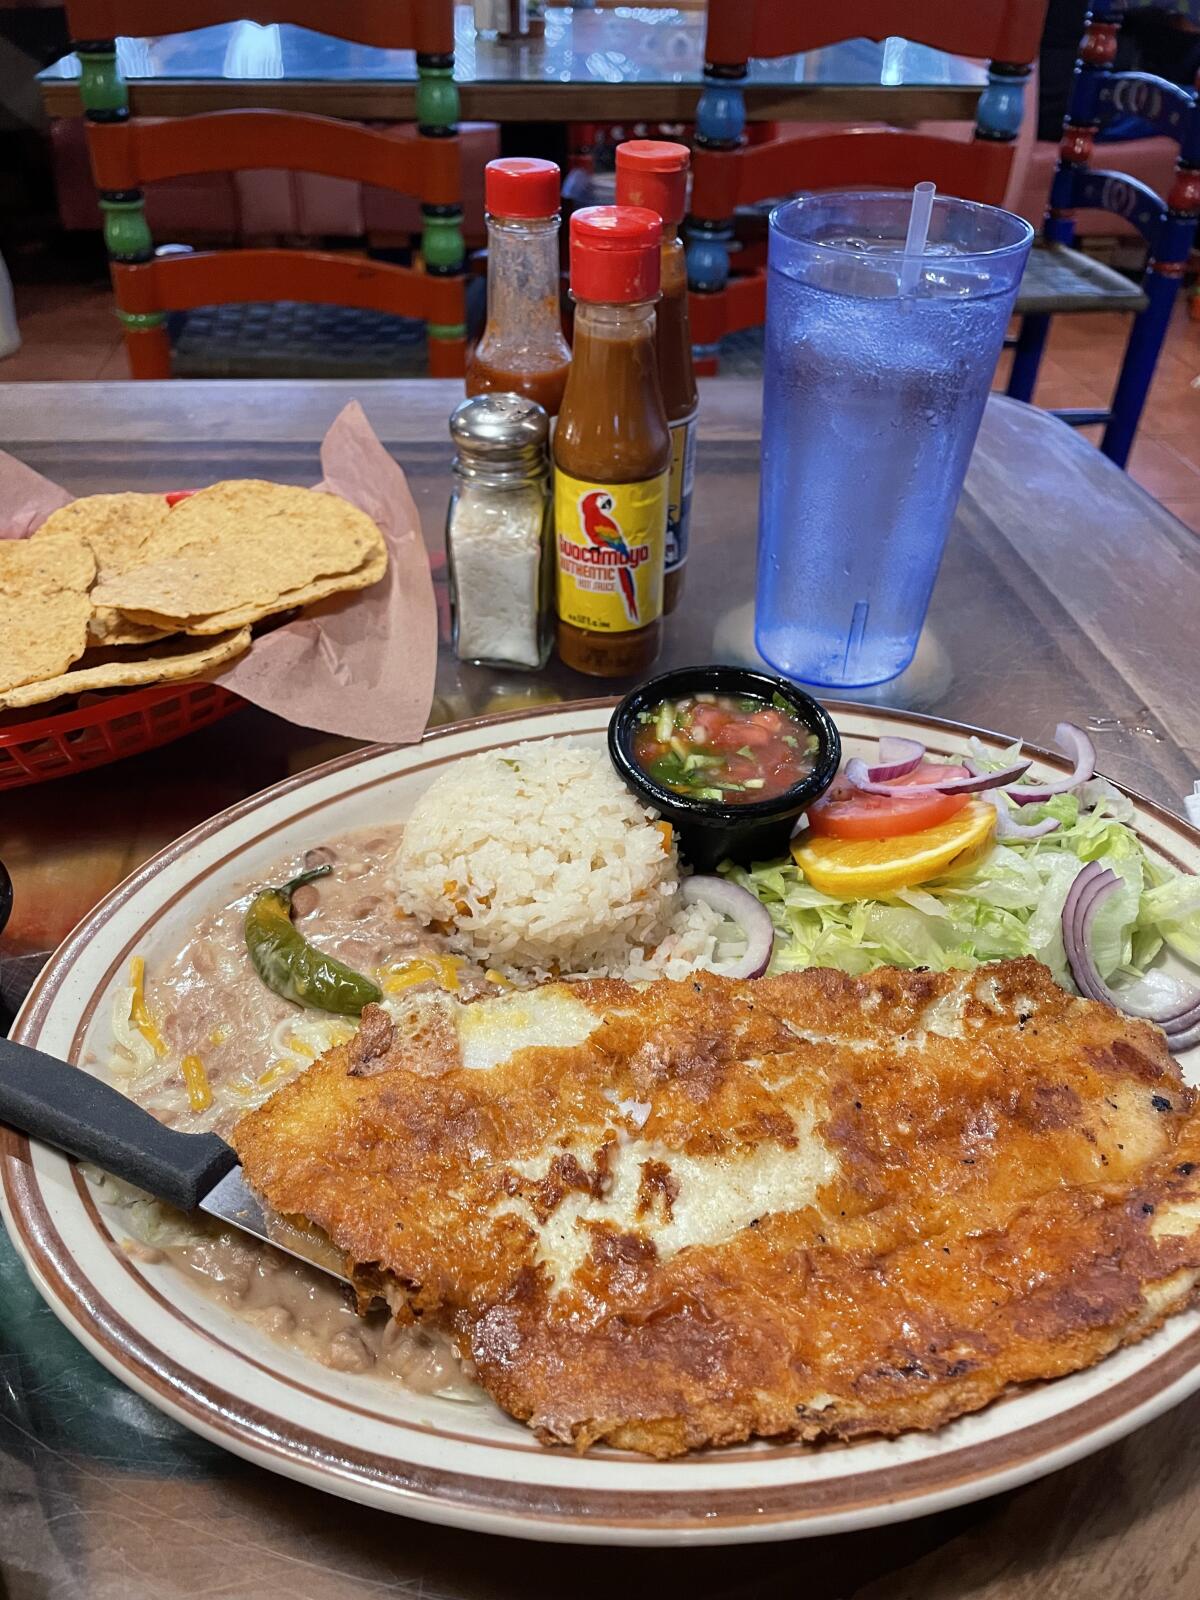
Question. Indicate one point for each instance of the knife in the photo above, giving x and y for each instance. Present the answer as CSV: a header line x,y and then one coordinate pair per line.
x,y
86,1118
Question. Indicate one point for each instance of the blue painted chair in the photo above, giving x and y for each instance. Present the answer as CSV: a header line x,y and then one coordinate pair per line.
x,y
1060,279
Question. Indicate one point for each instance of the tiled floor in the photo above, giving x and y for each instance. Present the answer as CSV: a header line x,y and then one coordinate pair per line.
x,y
70,332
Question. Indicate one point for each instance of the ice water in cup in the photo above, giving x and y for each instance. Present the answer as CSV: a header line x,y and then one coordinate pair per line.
x,y
872,399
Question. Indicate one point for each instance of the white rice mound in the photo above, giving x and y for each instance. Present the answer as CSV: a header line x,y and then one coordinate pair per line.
x,y
541,863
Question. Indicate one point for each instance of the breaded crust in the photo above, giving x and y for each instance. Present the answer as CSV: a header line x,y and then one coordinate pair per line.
x,y
808,1206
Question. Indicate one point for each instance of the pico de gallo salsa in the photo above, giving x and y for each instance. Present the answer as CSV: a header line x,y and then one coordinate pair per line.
x,y
735,749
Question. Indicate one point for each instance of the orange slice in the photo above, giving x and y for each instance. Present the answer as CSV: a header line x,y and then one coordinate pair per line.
x,y
860,869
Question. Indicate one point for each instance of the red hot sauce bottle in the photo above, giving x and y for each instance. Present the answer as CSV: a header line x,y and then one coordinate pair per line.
x,y
653,173
612,450
522,350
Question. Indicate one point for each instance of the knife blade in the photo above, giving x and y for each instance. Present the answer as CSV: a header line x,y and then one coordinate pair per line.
x,y
232,1200
66,1107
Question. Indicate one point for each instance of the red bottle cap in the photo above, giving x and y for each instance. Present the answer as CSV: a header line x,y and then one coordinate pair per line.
x,y
521,186
615,254
653,173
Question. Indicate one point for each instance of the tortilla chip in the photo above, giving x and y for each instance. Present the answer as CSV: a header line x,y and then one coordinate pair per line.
x,y
31,565
44,607
245,549
109,669
40,635
110,627
291,599
113,526
116,528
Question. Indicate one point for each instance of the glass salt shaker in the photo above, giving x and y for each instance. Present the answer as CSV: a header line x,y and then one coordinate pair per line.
x,y
498,532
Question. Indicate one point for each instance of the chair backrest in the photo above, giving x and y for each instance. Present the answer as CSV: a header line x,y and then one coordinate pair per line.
x,y
128,152
727,174
426,26
851,158
1099,96
143,150
1001,30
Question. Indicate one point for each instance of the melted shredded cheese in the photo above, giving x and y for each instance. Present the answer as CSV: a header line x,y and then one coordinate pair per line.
x,y
199,1090
442,970
139,1012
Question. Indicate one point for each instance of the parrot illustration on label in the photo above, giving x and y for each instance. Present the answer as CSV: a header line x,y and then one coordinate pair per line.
x,y
602,530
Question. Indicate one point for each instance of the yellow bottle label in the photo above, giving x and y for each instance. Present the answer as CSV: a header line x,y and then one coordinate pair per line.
x,y
679,502
610,540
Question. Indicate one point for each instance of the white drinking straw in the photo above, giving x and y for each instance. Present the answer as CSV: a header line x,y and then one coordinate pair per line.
x,y
918,232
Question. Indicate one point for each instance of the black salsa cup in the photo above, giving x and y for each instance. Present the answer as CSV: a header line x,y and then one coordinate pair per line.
x,y
710,832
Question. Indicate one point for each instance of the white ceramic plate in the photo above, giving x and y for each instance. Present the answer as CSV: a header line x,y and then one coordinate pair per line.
x,y
471,1466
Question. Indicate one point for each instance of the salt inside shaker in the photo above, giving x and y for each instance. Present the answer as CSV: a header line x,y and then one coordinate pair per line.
x,y
498,532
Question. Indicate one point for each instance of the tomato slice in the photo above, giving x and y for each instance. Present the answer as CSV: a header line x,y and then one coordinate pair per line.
x,y
736,734
846,813
711,718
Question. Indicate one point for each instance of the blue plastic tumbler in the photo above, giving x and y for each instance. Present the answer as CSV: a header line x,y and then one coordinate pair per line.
x,y
875,380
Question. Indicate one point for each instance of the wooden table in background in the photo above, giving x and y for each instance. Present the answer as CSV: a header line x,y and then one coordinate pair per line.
x,y
591,66
1067,592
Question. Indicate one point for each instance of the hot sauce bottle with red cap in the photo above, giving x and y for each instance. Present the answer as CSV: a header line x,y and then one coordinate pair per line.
x,y
522,350
612,450
653,173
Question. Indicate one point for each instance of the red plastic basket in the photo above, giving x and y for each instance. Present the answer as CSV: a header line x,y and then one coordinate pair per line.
x,y
121,723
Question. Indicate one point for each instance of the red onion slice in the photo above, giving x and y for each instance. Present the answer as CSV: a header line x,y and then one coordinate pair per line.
x,y
1175,1028
1176,1015
859,774
1007,827
1074,743
1174,1005
1083,968
1185,1022
1179,1018
1100,887
897,758
740,906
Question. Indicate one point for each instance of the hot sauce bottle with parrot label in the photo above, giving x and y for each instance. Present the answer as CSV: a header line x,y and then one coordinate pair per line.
x,y
612,450
653,173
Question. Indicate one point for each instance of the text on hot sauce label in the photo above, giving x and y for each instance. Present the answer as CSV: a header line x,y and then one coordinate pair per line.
x,y
679,501
610,541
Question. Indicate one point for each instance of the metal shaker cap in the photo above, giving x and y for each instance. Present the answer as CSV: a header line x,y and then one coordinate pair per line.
x,y
499,428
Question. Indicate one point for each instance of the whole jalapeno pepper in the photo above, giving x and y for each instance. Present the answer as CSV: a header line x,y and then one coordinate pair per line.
x,y
295,969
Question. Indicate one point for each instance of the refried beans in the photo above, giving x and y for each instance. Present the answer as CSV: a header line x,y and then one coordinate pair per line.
x,y
207,1002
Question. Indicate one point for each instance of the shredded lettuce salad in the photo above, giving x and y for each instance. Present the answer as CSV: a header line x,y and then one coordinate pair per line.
x,y
1006,903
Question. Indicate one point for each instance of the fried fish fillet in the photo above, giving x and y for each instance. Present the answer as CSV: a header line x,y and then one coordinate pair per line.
x,y
806,1206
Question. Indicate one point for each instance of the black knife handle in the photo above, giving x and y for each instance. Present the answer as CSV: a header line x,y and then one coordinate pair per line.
x,y
68,1108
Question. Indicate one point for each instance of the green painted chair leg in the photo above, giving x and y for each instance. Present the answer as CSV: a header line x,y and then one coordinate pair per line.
x,y
127,235
101,86
442,240
437,96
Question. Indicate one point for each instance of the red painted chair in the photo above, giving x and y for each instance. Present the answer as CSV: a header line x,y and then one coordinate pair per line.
x,y
127,152
727,173
226,209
